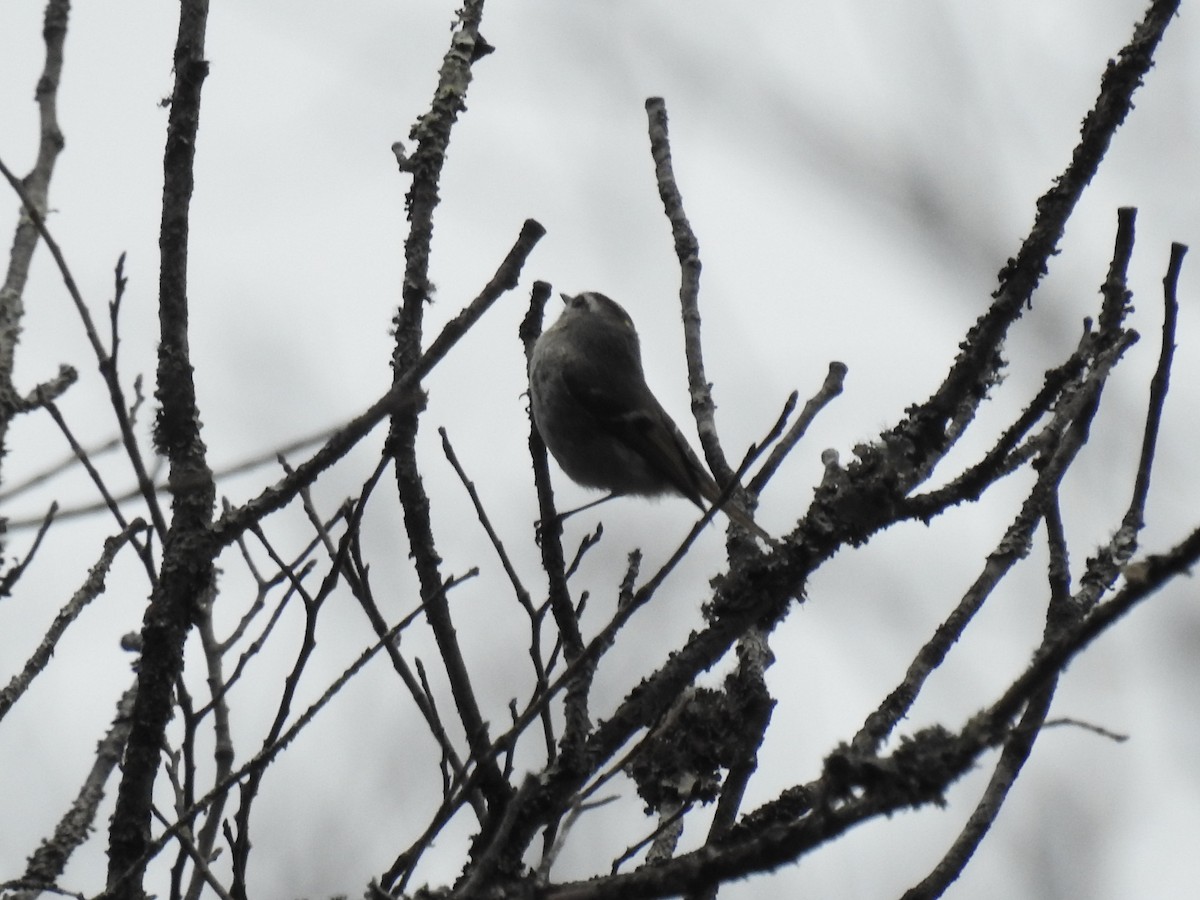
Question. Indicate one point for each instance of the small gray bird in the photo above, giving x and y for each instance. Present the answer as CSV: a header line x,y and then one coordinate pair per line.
x,y
599,419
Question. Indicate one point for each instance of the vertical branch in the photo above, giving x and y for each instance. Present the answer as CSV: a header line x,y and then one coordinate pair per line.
x,y
1158,386
37,187
188,549
687,249
550,542
223,754
1115,289
1104,568
746,691
432,134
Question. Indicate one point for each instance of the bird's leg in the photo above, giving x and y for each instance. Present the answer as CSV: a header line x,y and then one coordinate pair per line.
x,y
562,517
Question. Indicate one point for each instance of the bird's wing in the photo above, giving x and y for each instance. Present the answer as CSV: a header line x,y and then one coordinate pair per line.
x,y
638,421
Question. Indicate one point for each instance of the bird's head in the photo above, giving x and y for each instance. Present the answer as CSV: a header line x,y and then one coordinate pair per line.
x,y
594,304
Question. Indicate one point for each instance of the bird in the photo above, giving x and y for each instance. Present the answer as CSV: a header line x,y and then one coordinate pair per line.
x,y
600,420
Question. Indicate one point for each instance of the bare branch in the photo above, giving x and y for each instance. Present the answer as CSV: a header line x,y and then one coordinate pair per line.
x,y
932,427
1158,386
34,190
1072,418
267,754
53,471
687,250
106,362
1020,743
830,388
51,858
188,550
405,392
578,722
91,588
519,590
14,574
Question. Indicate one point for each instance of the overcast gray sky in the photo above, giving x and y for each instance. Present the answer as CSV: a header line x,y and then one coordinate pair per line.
x,y
856,173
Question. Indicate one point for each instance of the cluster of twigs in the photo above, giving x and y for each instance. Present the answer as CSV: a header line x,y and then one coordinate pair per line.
x,y
681,745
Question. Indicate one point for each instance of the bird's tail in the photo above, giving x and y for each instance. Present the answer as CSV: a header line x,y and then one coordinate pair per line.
x,y
734,511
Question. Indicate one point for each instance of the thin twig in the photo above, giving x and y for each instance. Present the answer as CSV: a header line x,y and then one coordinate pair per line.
x,y
161,487
1115,289
51,389
223,756
84,460
267,754
514,579
92,587
830,388
37,186
202,874
1005,456
1072,417
405,392
107,366
756,705
13,575
417,689
586,543
1020,743
54,470
519,590
1159,383
312,606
